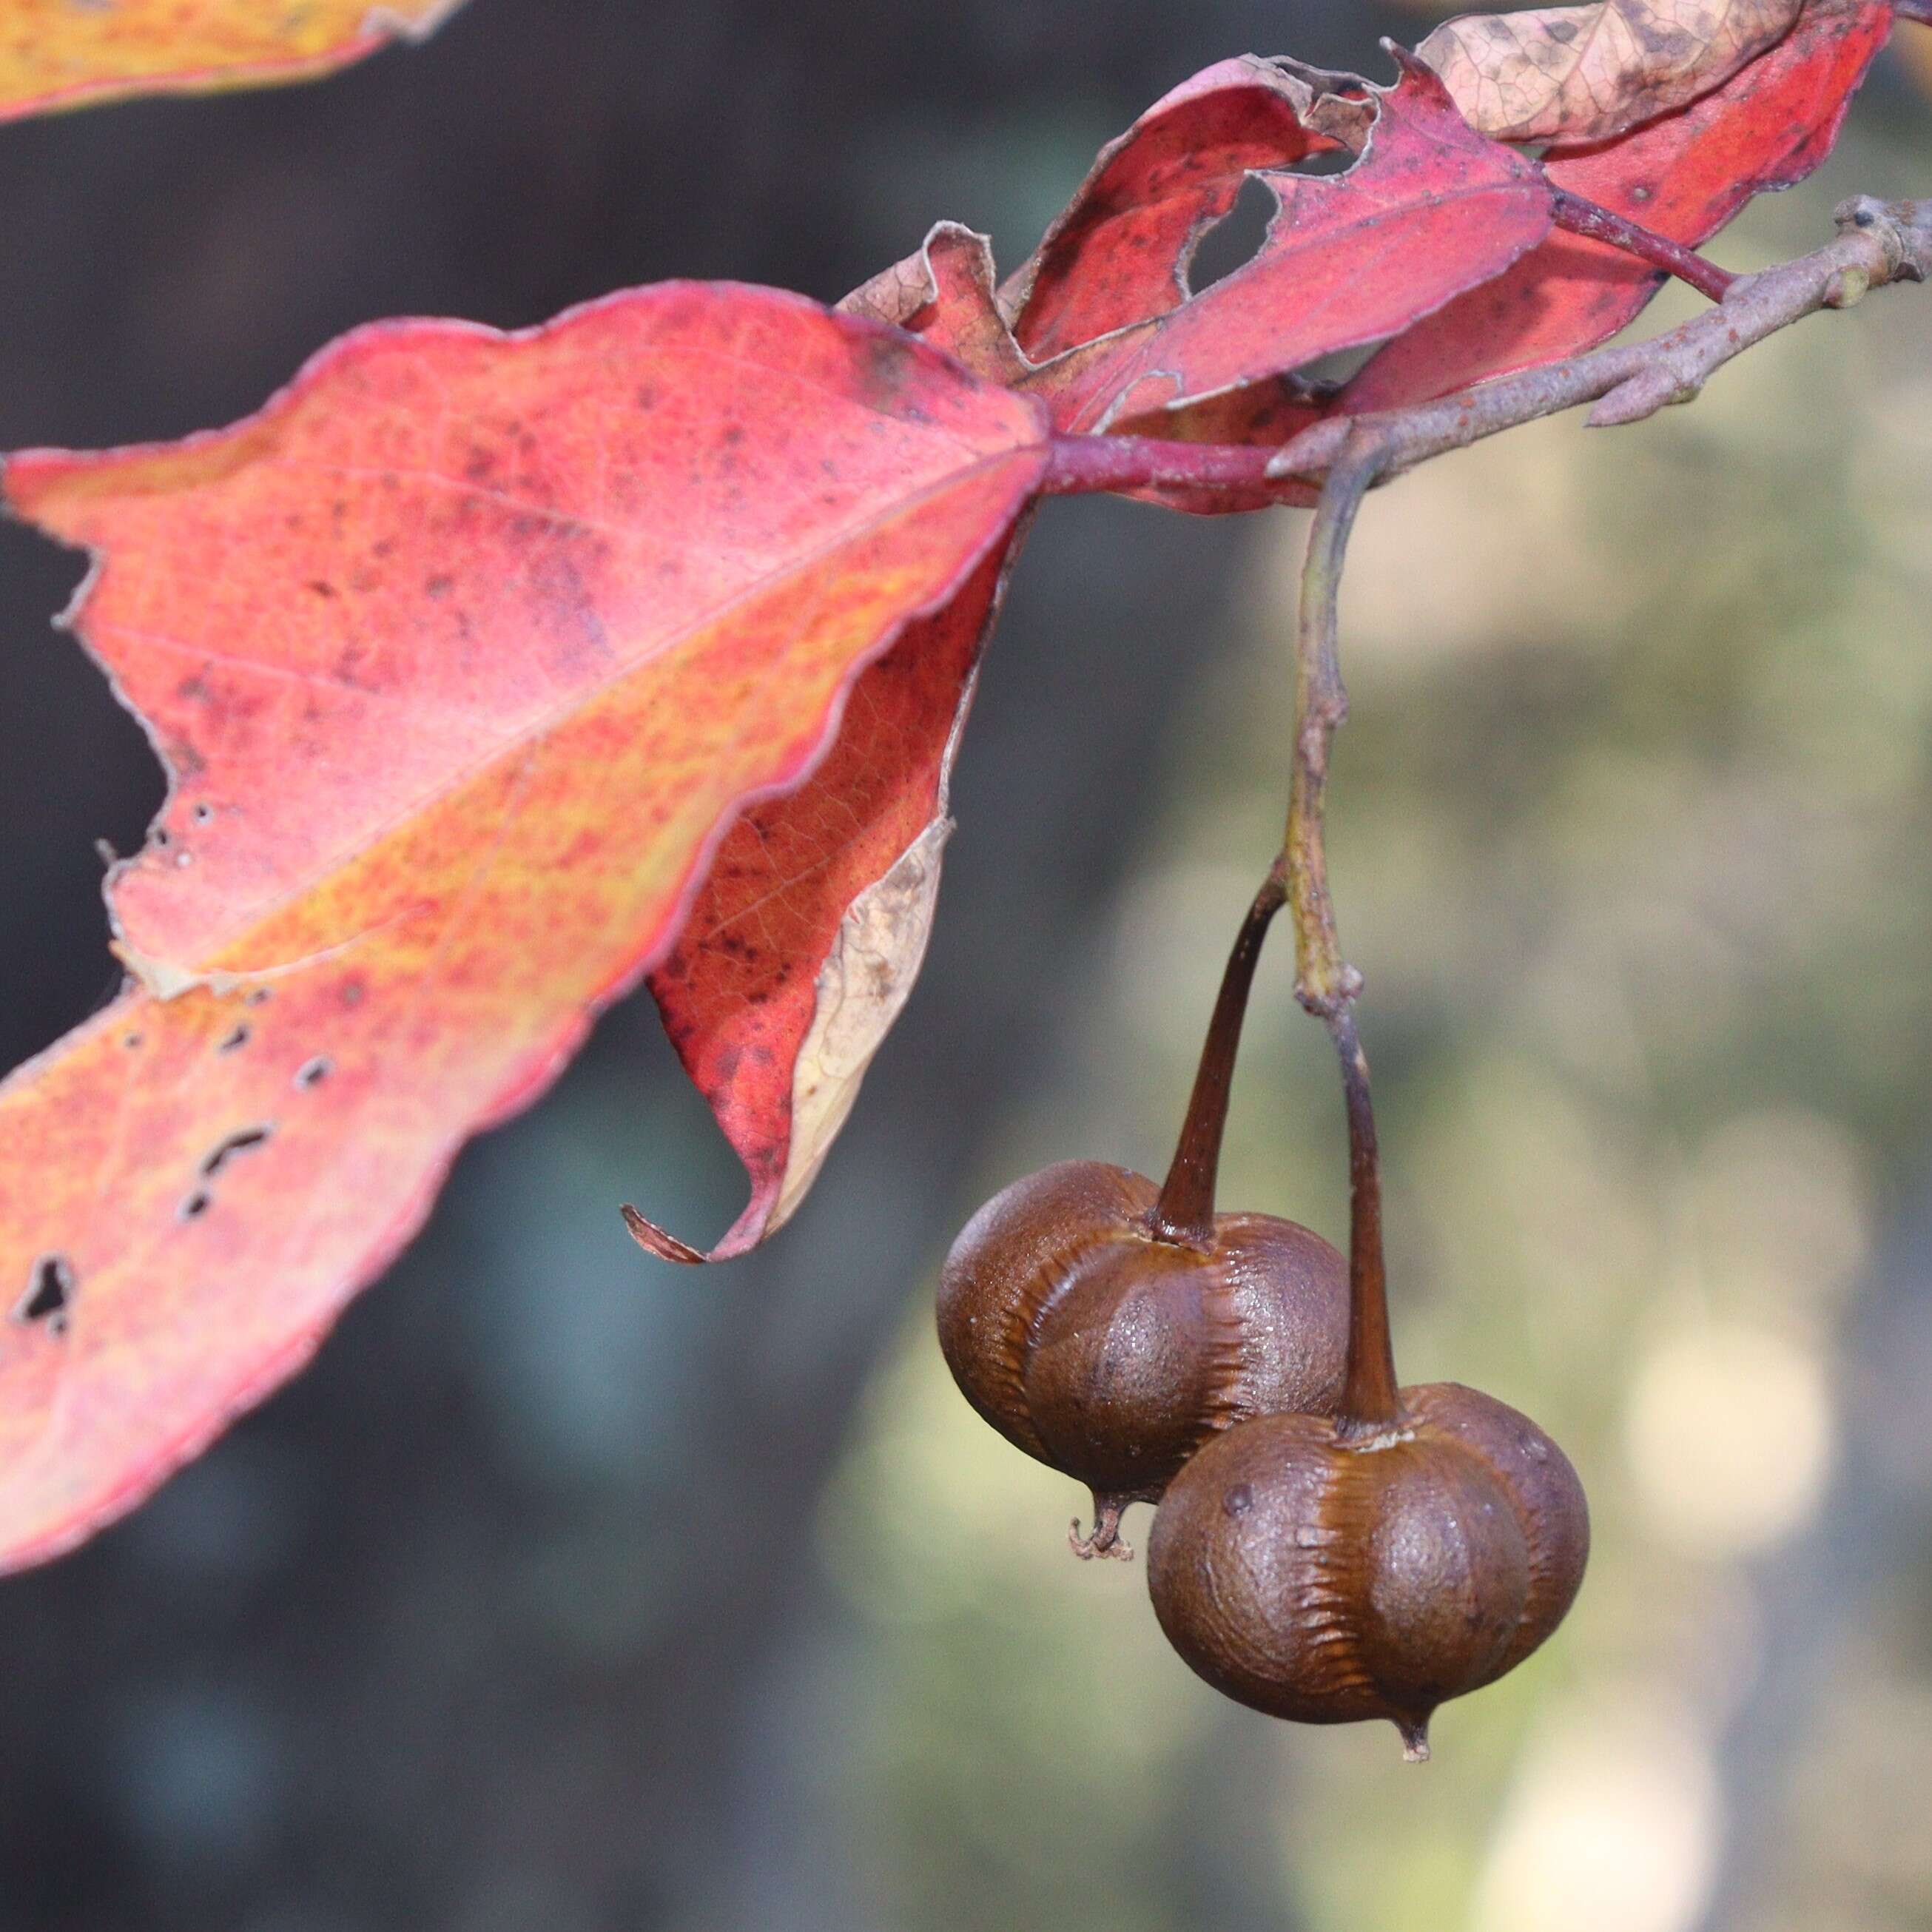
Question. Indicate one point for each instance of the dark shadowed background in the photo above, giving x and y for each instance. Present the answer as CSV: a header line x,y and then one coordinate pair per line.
x,y
567,1592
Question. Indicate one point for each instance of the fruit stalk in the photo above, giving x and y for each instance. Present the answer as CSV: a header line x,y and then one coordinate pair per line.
x,y
1184,1214
1325,984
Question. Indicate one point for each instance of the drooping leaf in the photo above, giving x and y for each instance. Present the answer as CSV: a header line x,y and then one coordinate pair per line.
x,y
463,655
1586,73
1429,208
813,920
1685,176
56,54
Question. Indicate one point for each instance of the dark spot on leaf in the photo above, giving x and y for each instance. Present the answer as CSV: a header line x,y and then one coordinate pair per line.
x,y
197,1204
259,997
203,814
352,992
50,1295
313,1073
440,586
218,1157
132,1042
234,1041
163,836
1239,1500
322,589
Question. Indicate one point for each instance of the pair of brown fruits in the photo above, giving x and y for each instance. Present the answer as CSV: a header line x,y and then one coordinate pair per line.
x,y
1328,1548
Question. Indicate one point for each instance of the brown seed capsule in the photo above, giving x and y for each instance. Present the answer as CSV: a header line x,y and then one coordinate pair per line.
x,y
1109,1327
1327,1575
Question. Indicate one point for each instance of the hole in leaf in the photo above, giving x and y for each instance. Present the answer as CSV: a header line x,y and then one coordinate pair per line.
x,y
203,814
197,1204
50,1295
234,1041
249,1137
313,1073
1236,239
163,836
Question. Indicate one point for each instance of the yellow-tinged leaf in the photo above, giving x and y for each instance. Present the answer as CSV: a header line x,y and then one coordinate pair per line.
x,y
464,655
69,53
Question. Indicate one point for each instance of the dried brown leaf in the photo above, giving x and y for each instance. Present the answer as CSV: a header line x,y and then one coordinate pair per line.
x,y
1584,73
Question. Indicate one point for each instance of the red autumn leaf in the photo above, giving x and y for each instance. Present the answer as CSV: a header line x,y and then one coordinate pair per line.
x,y
56,54
1428,209
1684,176
1120,252
464,655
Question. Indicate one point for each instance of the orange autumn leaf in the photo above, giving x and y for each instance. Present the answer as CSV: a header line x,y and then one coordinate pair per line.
x,y
63,53
464,656
1585,73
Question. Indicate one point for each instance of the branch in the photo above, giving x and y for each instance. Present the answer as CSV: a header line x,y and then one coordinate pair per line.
x,y
1878,243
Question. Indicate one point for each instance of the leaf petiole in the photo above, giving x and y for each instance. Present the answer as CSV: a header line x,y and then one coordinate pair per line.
x,y
1577,216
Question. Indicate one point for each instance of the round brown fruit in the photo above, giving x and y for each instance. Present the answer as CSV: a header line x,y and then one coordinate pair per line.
x,y
1112,1354
1327,1574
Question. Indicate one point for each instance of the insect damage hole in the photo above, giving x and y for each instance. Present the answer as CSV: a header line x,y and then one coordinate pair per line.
x,y
313,1073
50,1295
1236,239
197,1204
236,1041
218,1157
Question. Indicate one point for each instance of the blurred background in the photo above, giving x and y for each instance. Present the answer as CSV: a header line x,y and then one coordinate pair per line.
x,y
566,1591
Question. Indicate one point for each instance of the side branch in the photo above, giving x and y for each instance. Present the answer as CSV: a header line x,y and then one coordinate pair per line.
x,y
1325,983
